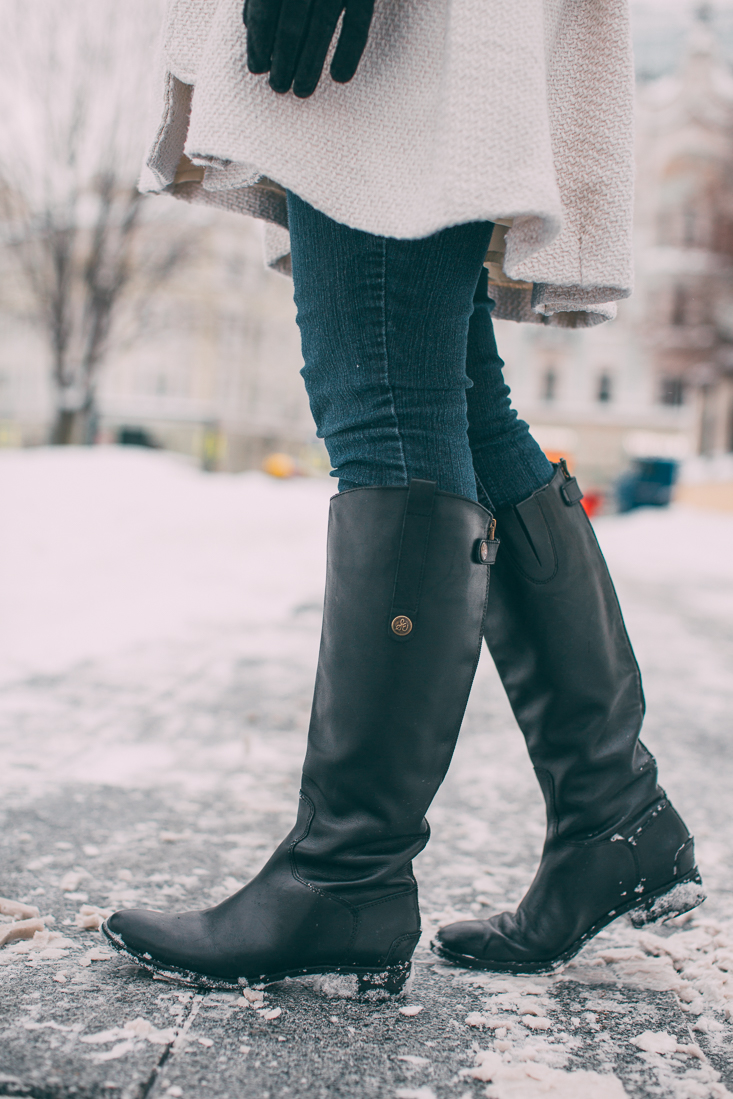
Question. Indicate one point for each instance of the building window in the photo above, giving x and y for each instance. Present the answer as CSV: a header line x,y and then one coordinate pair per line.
x,y
689,221
605,388
679,306
549,385
672,391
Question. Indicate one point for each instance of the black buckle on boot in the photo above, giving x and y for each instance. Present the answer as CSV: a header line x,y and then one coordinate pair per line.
x,y
570,490
485,551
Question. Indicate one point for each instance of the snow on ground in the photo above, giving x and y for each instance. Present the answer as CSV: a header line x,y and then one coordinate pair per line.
x,y
158,637
106,550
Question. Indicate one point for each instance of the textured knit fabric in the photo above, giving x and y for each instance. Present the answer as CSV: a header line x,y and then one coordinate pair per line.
x,y
388,330
514,111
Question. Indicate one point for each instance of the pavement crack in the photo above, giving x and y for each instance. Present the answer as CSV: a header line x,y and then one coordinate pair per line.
x,y
177,1044
149,1083
180,1039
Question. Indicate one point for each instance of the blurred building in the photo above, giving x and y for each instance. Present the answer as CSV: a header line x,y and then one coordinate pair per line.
x,y
217,373
658,381
208,366
213,367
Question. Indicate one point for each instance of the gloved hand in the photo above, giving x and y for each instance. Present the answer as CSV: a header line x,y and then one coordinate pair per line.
x,y
290,40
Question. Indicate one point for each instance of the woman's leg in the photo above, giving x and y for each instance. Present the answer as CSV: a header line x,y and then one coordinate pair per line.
x,y
384,326
508,463
614,842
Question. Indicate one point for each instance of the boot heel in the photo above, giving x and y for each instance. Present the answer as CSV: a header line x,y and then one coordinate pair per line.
x,y
666,904
391,980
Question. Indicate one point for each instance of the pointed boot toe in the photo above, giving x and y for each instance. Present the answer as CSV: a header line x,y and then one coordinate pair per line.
x,y
485,944
132,929
156,937
462,941
498,944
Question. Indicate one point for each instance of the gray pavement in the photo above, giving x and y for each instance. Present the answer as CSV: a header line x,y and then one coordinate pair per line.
x,y
218,734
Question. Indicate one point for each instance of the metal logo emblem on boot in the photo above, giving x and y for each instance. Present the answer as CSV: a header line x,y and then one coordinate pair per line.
x,y
401,625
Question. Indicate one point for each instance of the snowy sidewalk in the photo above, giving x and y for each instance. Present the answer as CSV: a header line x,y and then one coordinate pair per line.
x,y
158,639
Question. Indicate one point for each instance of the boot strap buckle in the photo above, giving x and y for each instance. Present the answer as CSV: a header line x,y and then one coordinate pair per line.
x,y
571,492
485,551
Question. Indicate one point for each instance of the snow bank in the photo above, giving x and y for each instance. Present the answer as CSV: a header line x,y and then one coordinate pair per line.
x,y
104,549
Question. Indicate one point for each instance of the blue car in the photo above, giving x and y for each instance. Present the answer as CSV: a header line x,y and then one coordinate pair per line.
x,y
648,483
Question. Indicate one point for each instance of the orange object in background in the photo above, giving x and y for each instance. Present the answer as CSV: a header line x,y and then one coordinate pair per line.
x,y
554,456
280,465
592,503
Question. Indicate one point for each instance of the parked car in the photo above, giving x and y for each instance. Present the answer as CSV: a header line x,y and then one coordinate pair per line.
x,y
135,436
648,483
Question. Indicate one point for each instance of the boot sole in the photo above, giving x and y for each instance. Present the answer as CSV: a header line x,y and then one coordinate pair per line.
x,y
386,979
663,904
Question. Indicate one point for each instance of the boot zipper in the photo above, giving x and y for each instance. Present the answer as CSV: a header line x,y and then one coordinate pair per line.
x,y
565,471
486,549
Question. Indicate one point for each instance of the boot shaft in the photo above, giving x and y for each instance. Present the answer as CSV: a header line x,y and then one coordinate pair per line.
x,y
555,630
406,593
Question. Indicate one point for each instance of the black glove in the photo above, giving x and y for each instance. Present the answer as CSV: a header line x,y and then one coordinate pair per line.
x,y
290,40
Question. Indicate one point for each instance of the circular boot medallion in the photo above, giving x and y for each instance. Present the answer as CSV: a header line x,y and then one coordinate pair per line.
x,y
401,625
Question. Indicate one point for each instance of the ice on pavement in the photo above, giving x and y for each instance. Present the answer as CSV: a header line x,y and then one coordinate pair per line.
x,y
133,584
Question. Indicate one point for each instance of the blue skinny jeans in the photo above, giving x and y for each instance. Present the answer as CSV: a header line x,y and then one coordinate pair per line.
x,y
401,367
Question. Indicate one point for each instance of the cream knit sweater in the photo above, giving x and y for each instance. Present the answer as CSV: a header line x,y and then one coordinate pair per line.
x,y
512,111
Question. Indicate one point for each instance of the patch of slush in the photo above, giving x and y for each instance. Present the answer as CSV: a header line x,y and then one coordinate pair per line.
x,y
18,910
345,986
682,898
518,1067
336,986
696,963
531,1081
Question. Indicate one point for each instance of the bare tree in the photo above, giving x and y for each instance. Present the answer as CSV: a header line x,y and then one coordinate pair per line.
x,y
70,149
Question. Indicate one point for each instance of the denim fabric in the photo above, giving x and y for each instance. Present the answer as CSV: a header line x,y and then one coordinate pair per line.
x,y
508,463
401,366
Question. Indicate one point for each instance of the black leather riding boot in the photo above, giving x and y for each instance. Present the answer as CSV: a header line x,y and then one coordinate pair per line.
x,y
614,843
406,592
